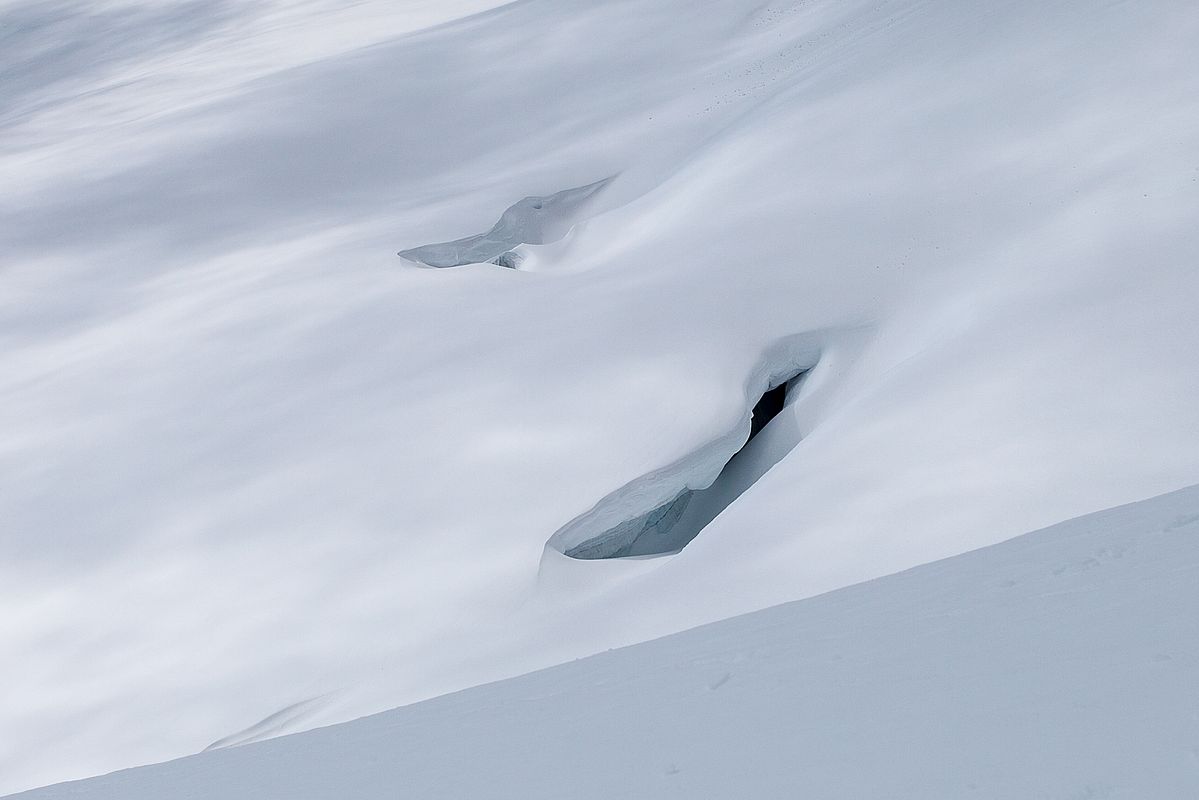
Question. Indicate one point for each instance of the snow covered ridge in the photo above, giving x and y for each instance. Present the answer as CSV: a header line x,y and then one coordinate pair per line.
x,y
258,474
1063,664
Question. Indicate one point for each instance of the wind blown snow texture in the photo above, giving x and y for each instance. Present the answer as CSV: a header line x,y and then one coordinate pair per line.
x,y
251,462
1064,663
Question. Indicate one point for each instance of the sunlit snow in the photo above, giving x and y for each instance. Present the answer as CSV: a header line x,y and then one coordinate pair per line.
x,y
258,474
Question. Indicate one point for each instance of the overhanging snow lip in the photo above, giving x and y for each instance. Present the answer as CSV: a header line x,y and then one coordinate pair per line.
x,y
641,497
536,219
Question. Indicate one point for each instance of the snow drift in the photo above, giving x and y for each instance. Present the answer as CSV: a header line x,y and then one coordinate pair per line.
x,y
1064,663
251,463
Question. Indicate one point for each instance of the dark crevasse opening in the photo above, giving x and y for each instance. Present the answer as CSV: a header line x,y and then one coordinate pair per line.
x,y
767,409
672,525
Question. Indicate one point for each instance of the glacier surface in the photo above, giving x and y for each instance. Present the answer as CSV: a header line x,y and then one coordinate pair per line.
x,y
258,475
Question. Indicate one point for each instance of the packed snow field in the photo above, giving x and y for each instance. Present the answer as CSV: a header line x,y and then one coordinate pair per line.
x,y
1061,664
259,474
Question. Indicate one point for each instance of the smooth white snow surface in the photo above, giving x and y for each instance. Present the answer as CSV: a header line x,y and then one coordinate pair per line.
x,y
257,473
1061,664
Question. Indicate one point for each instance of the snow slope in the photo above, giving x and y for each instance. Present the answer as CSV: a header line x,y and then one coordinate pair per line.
x,y
1061,664
257,473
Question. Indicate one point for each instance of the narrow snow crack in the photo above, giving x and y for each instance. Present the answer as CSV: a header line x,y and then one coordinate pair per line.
x,y
533,220
670,526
